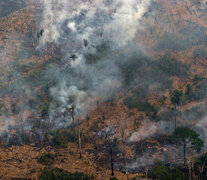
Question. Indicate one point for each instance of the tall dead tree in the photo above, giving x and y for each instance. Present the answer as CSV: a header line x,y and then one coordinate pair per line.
x,y
72,112
122,132
112,160
79,139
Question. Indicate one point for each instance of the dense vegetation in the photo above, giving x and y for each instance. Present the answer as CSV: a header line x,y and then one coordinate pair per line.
x,y
61,137
141,105
47,158
197,169
60,174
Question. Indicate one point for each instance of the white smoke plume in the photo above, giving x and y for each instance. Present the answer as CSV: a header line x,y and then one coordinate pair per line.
x,y
169,154
80,27
118,20
204,4
146,130
151,129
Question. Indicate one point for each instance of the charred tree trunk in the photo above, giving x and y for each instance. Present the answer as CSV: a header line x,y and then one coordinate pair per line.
x,y
73,119
71,110
112,161
190,170
184,160
126,164
175,107
79,141
202,168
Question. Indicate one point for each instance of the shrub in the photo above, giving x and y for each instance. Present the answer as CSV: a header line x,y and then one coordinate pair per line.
x,y
47,158
57,174
113,178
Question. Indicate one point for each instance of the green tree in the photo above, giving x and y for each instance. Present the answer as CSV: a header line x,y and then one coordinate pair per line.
x,y
201,166
161,172
188,90
175,98
186,136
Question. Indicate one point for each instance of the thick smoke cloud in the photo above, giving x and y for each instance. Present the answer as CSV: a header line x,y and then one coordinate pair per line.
x,y
117,20
80,28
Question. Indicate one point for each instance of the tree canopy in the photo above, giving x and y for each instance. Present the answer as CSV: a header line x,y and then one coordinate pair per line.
x,y
186,135
176,97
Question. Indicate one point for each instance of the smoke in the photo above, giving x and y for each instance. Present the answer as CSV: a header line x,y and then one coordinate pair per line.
x,y
150,129
168,154
92,39
89,35
116,21
84,29
204,4
147,130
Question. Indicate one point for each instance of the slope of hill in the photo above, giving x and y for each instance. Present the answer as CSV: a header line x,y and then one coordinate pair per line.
x,y
119,93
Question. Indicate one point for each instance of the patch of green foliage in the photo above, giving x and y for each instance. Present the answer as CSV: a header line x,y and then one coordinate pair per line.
x,y
175,97
60,174
114,178
141,105
161,172
200,166
60,138
185,136
47,158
